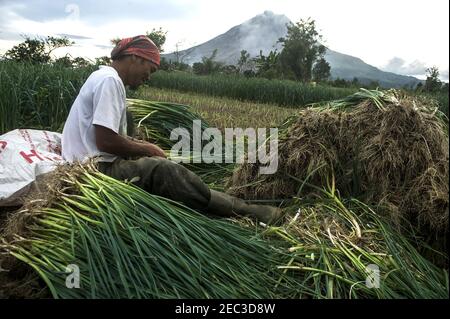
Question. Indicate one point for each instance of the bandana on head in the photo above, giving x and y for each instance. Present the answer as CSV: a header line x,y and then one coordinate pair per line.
x,y
139,45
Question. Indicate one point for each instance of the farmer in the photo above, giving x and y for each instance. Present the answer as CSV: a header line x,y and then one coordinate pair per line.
x,y
96,127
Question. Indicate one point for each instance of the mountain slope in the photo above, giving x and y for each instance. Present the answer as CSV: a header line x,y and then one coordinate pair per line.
x,y
347,67
262,33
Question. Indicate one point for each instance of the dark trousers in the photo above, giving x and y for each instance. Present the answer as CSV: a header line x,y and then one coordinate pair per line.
x,y
161,177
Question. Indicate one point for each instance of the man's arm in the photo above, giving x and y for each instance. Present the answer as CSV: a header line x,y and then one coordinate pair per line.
x,y
110,142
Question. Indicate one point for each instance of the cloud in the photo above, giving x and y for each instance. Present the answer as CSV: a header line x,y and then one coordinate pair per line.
x,y
95,12
444,75
108,47
415,68
394,65
400,66
83,19
73,36
89,24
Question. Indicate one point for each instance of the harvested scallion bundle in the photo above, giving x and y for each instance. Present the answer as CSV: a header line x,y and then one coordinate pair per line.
x,y
344,249
130,244
155,121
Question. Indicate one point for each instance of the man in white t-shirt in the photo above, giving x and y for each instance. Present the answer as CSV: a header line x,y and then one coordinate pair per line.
x,y
97,126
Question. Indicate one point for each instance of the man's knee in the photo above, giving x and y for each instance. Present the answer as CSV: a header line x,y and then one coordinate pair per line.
x,y
147,164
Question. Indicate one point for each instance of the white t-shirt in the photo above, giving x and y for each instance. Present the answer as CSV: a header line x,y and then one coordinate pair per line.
x,y
101,101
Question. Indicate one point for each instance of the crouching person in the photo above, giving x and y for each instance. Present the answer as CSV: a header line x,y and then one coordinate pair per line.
x,y
97,127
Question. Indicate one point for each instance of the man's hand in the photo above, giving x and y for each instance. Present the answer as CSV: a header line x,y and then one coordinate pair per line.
x,y
154,150
110,142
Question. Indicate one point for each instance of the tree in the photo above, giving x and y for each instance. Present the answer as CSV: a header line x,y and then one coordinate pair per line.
x,y
432,83
338,82
103,60
244,62
80,62
321,70
355,82
173,65
268,66
373,85
208,65
419,87
229,69
164,64
64,61
115,41
158,37
37,50
68,62
301,49
198,68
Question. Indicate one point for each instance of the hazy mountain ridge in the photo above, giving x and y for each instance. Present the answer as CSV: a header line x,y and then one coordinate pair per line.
x,y
262,33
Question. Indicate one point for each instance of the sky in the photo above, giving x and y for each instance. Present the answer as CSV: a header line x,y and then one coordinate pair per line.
x,y
401,36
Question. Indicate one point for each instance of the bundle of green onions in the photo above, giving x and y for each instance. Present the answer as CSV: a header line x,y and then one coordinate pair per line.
x,y
131,244
156,120
377,97
380,98
344,249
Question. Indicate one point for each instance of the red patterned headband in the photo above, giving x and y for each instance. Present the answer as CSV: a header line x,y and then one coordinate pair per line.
x,y
140,46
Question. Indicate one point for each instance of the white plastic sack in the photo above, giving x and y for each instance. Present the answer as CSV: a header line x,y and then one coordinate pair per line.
x,y
24,155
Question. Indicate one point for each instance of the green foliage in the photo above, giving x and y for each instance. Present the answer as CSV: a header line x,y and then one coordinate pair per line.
x,y
221,112
40,96
301,49
432,83
68,62
208,65
281,92
104,60
301,58
268,66
321,70
115,41
441,98
80,62
229,69
37,50
37,95
243,59
245,64
158,36
173,65
64,61
354,83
